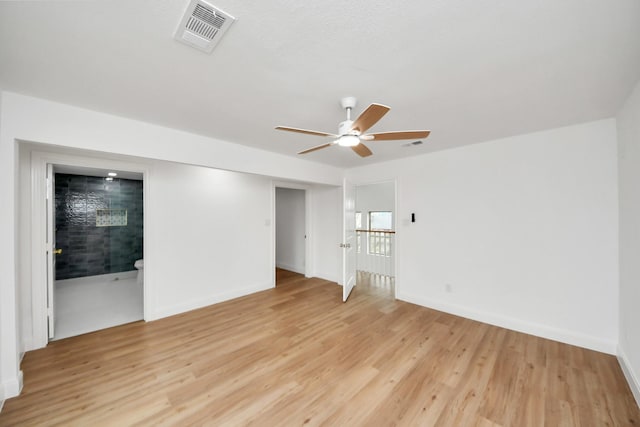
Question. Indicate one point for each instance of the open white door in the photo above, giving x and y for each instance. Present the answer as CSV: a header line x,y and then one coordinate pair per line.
x,y
348,239
51,248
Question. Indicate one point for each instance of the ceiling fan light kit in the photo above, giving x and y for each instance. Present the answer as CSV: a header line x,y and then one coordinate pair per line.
x,y
351,133
348,140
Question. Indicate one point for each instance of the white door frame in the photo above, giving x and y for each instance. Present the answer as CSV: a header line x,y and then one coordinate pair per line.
x,y
396,224
348,245
308,255
50,246
39,161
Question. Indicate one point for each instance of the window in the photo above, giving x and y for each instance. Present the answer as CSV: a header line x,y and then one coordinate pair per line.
x,y
380,221
380,225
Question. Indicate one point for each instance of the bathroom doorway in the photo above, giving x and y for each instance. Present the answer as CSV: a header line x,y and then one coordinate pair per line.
x,y
97,227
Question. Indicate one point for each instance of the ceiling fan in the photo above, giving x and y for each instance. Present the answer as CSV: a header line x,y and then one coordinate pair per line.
x,y
351,133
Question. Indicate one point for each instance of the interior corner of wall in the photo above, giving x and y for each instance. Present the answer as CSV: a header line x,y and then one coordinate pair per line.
x,y
629,374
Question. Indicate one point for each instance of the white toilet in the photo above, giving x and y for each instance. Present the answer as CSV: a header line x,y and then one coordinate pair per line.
x,y
139,265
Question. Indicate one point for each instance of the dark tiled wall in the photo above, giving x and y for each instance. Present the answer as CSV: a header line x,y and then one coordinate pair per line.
x,y
88,250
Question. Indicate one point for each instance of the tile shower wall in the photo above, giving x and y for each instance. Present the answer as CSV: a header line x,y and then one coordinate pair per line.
x,y
88,250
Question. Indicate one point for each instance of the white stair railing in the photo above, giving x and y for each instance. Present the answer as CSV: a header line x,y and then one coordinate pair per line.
x,y
375,249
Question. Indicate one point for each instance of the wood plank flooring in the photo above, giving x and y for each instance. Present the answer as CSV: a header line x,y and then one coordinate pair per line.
x,y
296,355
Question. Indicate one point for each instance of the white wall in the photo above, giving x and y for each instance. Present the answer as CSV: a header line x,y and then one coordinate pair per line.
x,y
370,198
628,125
524,229
10,375
290,229
212,231
32,119
375,197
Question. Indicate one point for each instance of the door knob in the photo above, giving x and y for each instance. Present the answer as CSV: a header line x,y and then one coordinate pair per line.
x,y
57,251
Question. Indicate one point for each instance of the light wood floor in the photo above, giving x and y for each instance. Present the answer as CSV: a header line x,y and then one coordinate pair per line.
x,y
296,355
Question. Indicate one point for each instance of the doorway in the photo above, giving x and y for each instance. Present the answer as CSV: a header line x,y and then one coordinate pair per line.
x,y
376,238
97,260
290,232
38,170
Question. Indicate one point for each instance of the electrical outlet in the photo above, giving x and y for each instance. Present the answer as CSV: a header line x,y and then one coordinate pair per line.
x,y
448,288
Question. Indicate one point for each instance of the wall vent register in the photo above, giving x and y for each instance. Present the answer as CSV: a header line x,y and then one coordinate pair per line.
x,y
111,217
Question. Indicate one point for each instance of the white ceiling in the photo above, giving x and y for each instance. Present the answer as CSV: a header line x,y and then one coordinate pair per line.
x,y
470,70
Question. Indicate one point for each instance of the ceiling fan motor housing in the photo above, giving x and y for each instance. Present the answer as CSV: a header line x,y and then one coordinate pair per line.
x,y
344,128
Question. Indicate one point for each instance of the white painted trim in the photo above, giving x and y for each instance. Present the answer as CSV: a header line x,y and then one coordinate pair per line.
x,y
543,331
38,265
396,283
272,246
294,268
39,160
11,388
632,379
210,300
331,277
291,185
102,278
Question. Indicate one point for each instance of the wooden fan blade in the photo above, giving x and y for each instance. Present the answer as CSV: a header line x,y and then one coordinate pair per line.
x,y
394,136
362,150
308,132
369,117
317,147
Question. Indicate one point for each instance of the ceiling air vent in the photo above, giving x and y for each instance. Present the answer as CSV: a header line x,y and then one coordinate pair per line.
x,y
203,25
412,144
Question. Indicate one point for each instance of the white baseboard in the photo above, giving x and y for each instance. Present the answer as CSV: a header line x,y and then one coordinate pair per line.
x,y
10,388
102,278
327,276
288,267
632,379
543,331
209,300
